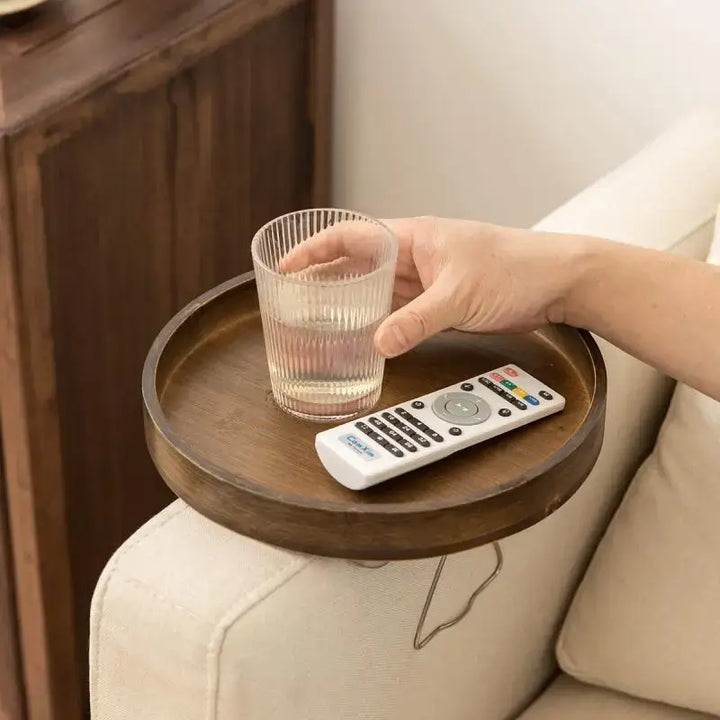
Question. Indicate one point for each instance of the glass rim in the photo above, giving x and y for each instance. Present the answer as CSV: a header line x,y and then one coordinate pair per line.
x,y
319,283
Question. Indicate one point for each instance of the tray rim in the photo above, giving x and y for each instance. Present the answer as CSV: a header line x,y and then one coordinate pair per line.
x,y
155,415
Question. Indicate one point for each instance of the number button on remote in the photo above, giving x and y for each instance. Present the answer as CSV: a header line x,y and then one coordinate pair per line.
x,y
396,436
379,439
419,425
417,437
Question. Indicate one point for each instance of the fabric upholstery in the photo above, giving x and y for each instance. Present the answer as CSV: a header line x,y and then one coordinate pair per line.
x,y
191,621
646,619
568,699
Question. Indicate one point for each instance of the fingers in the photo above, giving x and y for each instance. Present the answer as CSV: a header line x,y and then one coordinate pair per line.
x,y
426,315
357,240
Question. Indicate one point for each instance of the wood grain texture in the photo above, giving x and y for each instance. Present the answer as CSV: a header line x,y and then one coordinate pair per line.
x,y
145,141
110,274
150,205
133,45
31,449
221,443
243,149
11,683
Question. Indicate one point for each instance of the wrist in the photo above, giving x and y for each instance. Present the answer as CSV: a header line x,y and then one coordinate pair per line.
x,y
583,266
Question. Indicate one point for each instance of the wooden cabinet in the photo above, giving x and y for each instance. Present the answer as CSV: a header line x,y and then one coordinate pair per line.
x,y
143,143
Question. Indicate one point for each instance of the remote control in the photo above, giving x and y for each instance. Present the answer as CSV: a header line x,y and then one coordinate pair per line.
x,y
381,445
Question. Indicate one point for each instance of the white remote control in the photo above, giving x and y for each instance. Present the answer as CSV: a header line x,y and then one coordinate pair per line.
x,y
368,450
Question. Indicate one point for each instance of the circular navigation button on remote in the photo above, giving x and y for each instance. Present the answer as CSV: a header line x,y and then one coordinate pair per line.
x,y
545,395
459,408
504,412
467,386
455,431
418,404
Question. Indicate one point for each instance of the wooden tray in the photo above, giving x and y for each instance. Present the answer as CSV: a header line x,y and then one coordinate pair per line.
x,y
221,443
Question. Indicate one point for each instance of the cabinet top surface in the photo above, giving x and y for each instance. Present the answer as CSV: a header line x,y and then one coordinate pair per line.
x,y
66,49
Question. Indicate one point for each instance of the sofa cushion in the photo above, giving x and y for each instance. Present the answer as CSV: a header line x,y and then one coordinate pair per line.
x,y
568,699
646,618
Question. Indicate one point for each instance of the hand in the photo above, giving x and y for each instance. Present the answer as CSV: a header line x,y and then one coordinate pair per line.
x,y
457,274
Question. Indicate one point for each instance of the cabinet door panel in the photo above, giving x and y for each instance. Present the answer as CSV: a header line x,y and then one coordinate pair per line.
x,y
11,706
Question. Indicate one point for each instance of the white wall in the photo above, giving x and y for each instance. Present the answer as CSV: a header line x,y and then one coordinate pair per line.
x,y
501,109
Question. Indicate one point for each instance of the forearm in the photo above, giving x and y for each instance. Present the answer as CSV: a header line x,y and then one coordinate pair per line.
x,y
659,307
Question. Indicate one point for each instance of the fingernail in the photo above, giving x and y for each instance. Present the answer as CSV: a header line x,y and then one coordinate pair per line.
x,y
387,343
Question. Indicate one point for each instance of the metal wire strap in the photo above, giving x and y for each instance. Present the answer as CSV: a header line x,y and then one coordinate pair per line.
x,y
420,642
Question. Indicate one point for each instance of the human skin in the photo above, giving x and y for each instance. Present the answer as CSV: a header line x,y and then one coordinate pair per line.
x,y
659,307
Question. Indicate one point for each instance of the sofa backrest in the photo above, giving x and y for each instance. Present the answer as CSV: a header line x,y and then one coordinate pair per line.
x,y
646,619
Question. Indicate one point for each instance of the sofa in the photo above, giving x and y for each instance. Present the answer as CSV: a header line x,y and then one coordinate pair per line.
x,y
608,608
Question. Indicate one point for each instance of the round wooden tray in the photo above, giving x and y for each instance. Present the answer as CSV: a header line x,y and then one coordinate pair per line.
x,y
221,443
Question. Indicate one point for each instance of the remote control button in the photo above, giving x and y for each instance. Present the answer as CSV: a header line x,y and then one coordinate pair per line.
x,y
504,412
379,439
455,431
391,419
420,425
519,405
487,382
398,438
519,392
402,413
377,423
532,400
467,387
510,372
418,404
497,376
459,408
407,445
509,385
545,395
419,439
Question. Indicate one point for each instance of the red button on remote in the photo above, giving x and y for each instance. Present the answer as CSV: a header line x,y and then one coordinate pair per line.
x,y
497,377
510,372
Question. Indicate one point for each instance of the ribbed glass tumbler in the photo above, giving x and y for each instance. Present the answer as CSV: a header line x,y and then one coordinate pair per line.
x,y
325,283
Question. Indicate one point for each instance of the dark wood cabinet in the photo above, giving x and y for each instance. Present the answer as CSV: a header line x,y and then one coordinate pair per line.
x,y
142,145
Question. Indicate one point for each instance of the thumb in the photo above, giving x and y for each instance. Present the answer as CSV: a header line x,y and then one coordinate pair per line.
x,y
428,314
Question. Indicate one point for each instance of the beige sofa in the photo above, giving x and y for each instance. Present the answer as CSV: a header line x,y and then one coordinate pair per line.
x,y
191,621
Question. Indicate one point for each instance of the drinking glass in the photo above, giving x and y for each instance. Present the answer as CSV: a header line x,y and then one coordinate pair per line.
x,y
325,283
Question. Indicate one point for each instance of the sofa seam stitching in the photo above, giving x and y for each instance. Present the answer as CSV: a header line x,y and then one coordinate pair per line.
x,y
110,574
237,611
164,599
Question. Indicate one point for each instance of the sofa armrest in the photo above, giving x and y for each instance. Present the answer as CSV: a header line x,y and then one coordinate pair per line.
x,y
191,621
